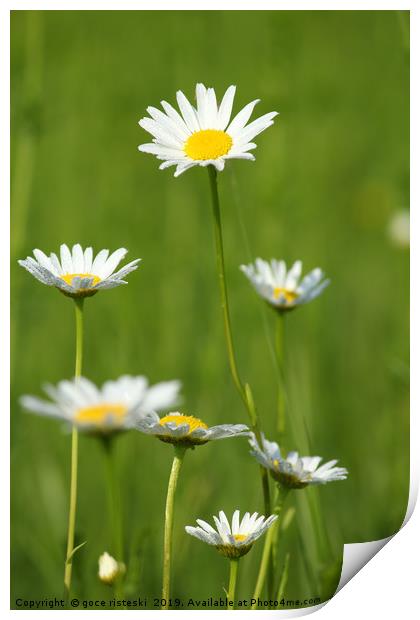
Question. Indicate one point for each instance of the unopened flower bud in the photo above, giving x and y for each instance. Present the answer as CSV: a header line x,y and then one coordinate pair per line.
x,y
109,569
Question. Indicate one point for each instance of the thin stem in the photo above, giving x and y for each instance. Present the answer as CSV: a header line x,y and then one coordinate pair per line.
x,y
169,524
284,578
114,506
244,390
281,400
74,458
233,576
218,236
270,537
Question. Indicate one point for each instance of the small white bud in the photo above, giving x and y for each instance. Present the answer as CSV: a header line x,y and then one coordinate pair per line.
x,y
399,228
109,568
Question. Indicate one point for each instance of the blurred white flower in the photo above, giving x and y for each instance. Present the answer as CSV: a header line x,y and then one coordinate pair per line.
x,y
281,288
109,569
295,472
204,135
187,430
78,273
235,540
399,228
115,406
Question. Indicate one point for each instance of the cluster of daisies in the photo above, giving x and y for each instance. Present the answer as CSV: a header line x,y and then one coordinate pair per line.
x,y
132,403
200,135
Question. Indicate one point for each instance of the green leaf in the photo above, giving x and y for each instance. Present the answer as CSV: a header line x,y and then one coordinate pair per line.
x,y
75,550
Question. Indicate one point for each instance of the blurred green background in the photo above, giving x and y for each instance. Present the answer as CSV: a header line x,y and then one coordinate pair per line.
x,y
328,177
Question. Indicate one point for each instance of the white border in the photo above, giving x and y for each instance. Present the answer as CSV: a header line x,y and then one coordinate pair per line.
x,y
389,583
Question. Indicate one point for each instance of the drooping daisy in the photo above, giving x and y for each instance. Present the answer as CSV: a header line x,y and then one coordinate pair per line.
x,y
204,135
78,273
113,407
281,288
186,430
295,472
235,540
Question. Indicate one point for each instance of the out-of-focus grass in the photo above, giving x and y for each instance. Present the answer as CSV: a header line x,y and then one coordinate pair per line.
x,y
327,177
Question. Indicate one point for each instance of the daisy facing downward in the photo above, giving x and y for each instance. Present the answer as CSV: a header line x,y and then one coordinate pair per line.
x,y
281,288
232,541
78,273
203,135
295,472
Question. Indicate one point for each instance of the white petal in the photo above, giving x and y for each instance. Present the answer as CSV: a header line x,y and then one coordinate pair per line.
x,y
172,113
112,262
187,111
66,260
99,261
78,258
225,109
241,119
44,260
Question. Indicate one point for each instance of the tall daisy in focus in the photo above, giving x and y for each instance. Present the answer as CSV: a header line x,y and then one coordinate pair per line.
x,y
183,432
283,290
78,274
204,135
104,412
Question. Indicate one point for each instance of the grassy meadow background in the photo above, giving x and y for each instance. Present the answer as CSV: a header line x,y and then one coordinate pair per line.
x,y
328,176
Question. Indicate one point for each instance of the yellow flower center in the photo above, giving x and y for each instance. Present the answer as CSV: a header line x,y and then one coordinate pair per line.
x,y
98,414
240,537
179,419
68,277
290,296
208,144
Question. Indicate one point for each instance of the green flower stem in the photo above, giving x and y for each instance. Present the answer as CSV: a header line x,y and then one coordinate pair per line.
x,y
233,576
281,399
169,524
243,390
74,458
270,537
222,284
283,579
108,442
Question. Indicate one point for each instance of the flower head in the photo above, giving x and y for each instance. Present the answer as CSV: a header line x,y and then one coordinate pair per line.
x,y
77,273
113,407
109,569
281,288
204,135
186,430
235,540
295,472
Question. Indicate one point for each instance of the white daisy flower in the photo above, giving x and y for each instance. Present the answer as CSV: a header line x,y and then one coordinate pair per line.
x,y
235,540
109,569
187,430
295,472
204,135
113,407
77,273
281,288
